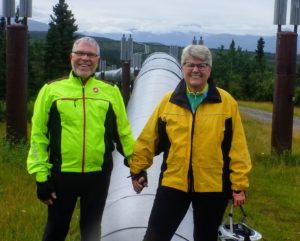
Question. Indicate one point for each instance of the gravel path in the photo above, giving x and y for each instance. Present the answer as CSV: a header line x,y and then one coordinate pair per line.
x,y
266,116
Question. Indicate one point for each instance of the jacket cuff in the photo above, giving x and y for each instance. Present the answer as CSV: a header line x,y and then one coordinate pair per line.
x,y
41,176
134,170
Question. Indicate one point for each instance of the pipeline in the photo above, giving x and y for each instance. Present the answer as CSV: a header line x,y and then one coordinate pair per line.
x,y
114,75
126,214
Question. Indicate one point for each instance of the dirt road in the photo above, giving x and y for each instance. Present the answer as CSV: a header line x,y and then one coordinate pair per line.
x,y
266,116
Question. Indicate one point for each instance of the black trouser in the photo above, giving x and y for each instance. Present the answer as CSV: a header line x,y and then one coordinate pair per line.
x,y
170,206
92,190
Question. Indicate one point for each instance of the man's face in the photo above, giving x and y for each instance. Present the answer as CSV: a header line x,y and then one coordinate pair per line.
x,y
196,73
84,60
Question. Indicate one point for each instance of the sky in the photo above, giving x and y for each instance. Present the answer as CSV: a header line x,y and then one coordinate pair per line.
x,y
254,17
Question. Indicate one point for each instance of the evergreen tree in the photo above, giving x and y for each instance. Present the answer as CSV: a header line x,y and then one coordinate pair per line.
x,y
220,66
2,58
298,76
59,41
260,54
36,66
231,62
242,70
232,48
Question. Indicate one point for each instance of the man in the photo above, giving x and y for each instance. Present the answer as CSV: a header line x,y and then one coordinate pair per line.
x,y
206,160
76,123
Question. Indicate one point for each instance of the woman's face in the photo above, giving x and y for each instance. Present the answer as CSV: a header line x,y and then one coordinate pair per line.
x,y
196,73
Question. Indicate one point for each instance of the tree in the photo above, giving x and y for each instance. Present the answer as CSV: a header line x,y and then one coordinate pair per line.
x,y
220,66
2,58
298,76
297,96
260,54
232,48
59,41
231,62
36,66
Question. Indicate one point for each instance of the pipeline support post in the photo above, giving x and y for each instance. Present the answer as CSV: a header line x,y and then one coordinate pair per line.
x,y
126,57
16,82
283,106
125,83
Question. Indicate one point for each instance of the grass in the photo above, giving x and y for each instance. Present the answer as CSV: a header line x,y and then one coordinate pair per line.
x,y
22,216
273,196
273,205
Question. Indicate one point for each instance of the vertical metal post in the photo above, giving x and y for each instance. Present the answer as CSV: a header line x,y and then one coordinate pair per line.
x,y
16,82
126,57
102,75
125,84
123,48
283,106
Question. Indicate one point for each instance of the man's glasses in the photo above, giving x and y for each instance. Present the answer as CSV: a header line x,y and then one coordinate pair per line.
x,y
191,66
82,54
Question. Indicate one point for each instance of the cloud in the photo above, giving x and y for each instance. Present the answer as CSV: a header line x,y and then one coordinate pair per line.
x,y
163,16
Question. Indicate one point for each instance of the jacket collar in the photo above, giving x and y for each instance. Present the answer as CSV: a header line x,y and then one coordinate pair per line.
x,y
75,76
179,97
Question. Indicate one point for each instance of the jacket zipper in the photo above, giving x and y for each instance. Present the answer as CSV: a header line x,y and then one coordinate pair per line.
x,y
84,129
190,172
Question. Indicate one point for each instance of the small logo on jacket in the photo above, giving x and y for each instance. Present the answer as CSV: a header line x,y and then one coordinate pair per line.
x,y
95,89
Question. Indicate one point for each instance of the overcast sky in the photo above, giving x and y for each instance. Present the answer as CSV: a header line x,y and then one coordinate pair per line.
x,y
161,16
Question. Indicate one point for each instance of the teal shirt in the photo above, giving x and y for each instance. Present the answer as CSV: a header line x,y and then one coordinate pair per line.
x,y
195,99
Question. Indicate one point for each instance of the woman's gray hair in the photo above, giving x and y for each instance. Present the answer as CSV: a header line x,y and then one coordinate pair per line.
x,y
196,51
88,40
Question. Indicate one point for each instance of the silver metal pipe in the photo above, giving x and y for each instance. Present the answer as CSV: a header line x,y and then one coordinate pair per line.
x,y
126,213
114,75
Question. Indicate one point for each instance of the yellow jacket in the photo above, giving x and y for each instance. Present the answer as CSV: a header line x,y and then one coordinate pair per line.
x,y
204,152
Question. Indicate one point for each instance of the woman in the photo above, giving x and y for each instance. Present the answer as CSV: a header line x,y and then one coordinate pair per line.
x,y
206,159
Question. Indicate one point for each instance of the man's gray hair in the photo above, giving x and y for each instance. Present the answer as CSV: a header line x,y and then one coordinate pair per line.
x,y
200,52
88,40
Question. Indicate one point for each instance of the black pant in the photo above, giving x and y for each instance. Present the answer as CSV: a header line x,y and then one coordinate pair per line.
x,y
170,206
91,189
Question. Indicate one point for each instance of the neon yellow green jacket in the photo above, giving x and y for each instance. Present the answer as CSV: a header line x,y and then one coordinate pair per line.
x,y
75,127
203,152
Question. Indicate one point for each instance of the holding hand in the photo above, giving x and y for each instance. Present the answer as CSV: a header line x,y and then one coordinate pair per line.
x,y
139,181
239,198
46,192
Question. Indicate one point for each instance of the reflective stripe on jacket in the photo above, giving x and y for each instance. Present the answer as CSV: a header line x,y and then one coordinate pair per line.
x,y
204,152
75,126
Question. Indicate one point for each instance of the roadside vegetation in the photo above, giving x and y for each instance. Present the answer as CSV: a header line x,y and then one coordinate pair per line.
x,y
22,216
273,197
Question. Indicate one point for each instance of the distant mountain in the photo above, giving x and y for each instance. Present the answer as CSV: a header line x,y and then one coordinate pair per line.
x,y
246,42
37,26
